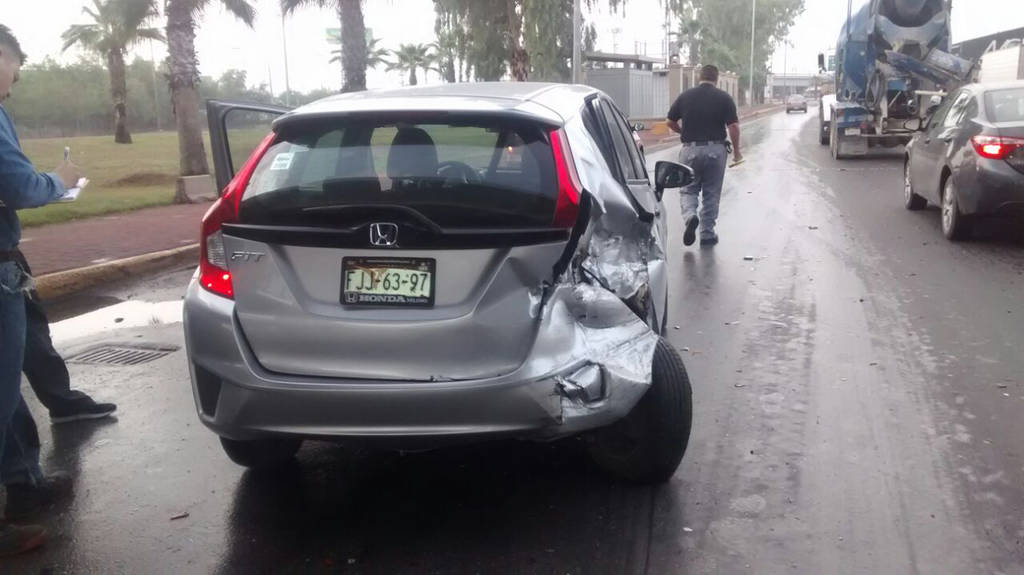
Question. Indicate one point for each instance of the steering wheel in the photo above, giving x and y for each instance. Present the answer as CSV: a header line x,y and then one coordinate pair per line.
x,y
458,171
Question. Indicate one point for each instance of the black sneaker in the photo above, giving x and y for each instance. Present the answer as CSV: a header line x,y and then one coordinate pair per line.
x,y
691,230
82,411
17,539
709,241
26,500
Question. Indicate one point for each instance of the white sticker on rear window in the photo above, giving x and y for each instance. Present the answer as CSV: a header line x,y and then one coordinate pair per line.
x,y
282,161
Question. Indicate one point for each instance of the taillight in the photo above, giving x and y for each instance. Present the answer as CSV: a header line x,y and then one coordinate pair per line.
x,y
213,259
569,186
996,147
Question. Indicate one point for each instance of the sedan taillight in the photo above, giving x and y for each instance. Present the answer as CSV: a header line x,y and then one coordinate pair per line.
x,y
996,147
213,259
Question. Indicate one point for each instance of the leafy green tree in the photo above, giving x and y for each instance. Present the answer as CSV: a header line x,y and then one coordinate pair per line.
x,y
718,32
116,26
375,55
354,51
505,35
410,58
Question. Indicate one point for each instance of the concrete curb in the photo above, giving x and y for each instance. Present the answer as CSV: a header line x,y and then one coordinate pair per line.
x,y
71,281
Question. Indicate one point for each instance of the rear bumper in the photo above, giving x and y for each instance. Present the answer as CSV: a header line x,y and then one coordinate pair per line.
x,y
552,396
992,187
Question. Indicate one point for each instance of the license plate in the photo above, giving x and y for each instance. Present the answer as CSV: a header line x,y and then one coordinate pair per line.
x,y
392,282
853,131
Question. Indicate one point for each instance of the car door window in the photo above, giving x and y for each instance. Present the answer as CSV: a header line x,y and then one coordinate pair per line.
x,y
634,154
937,117
592,122
619,142
956,111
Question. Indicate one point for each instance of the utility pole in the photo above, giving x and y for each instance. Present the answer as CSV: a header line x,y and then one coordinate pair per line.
x,y
156,93
284,45
577,43
753,27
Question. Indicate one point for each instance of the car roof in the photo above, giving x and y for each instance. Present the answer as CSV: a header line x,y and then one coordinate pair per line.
x,y
993,86
545,102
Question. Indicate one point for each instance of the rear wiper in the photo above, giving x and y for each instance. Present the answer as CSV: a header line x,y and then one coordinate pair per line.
x,y
405,210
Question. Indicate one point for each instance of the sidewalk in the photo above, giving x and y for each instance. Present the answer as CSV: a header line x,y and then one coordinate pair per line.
x,y
91,241
657,135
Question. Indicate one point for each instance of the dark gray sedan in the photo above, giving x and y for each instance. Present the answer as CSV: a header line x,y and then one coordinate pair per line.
x,y
969,157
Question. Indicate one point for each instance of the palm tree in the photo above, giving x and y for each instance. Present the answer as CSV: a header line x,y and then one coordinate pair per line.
x,y
117,26
184,75
353,38
410,57
374,56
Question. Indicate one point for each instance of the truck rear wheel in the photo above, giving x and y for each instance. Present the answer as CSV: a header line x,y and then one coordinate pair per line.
x,y
834,142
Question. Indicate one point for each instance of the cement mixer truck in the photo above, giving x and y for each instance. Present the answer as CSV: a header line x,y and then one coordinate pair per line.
x,y
892,65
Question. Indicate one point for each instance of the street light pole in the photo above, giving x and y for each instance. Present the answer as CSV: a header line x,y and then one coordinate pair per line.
x,y
156,91
753,26
577,41
284,45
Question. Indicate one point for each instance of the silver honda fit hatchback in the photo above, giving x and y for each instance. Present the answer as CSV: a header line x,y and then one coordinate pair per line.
x,y
419,266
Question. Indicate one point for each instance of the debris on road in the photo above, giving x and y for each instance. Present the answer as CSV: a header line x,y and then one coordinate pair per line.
x,y
812,227
181,515
739,385
676,327
687,530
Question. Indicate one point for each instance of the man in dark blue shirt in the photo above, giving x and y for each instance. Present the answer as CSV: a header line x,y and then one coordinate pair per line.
x,y
705,113
21,186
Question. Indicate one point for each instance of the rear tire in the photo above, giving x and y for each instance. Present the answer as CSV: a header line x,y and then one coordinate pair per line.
x,y
833,142
823,135
261,453
911,201
955,225
648,444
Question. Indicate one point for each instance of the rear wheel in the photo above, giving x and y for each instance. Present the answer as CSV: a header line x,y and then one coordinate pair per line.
x,y
261,453
833,141
955,225
911,201
647,445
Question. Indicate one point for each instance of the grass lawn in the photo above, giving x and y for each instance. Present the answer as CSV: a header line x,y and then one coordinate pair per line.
x,y
122,177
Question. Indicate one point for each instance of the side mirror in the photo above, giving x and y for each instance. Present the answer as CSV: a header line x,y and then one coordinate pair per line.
x,y
933,104
670,175
639,127
821,62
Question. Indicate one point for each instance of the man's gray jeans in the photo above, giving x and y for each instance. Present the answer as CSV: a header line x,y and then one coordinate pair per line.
x,y
708,163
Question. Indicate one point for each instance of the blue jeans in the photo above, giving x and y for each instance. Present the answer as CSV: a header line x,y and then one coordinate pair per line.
x,y
19,439
708,163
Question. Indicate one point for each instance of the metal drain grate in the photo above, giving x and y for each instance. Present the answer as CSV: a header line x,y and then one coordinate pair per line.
x,y
122,354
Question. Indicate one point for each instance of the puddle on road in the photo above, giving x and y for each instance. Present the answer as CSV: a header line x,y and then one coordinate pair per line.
x,y
116,317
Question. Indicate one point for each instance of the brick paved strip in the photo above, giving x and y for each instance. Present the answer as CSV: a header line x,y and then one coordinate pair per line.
x,y
87,242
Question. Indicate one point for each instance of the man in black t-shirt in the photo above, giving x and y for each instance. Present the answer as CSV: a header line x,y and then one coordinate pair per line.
x,y
705,113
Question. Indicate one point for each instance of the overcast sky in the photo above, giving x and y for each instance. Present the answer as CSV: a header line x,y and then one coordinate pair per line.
x,y
224,43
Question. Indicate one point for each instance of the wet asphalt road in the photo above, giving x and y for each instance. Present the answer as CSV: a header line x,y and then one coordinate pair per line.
x,y
858,387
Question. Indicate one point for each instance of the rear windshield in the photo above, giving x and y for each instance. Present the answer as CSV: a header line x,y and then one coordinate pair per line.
x,y
1005,105
464,174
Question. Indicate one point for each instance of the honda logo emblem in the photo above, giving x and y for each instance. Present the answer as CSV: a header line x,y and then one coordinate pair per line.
x,y
384,234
